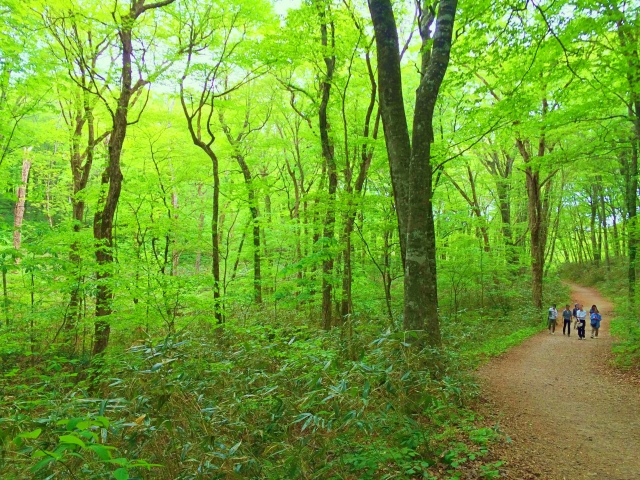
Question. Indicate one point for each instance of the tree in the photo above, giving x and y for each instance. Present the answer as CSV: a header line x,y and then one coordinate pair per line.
x,y
410,160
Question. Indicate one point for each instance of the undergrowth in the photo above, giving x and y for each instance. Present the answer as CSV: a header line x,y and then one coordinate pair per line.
x,y
257,398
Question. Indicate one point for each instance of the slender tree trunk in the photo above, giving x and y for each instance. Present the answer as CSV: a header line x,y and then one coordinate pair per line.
x,y
604,228
215,240
595,247
628,37
538,209
366,154
18,212
386,276
81,163
535,229
104,219
554,234
505,218
631,197
200,228
328,43
268,290
255,217
175,253
614,221
481,231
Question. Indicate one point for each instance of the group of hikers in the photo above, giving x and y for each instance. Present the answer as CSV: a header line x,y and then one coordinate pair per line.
x,y
579,318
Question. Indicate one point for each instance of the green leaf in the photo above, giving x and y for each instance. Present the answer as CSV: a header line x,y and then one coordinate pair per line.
x,y
103,421
73,440
42,463
33,434
233,449
121,474
101,451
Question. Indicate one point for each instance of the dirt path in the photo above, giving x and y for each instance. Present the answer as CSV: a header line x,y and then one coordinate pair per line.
x,y
567,416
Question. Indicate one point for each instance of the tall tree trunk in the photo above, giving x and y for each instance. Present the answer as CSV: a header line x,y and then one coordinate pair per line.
x,y
614,221
505,217
554,234
215,235
595,246
535,229
410,160
631,199
255,214
80,163
500,166
628,37
603,226
175,253
236,143
538,209
200,228
327,31
103,220
482,230
366,154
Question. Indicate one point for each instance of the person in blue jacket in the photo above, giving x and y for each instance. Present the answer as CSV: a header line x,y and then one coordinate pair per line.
x,y
596,318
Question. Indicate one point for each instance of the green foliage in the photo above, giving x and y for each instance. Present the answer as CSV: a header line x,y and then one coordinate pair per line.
x,y
533,90
257,401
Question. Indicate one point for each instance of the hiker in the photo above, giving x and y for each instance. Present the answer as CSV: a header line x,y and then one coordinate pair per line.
x,y
553,316
575,312
596,318
582,322
566,315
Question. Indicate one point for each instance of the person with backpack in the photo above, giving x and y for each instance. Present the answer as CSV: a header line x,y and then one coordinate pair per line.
x,y
596,318
566,316
552,318
582,322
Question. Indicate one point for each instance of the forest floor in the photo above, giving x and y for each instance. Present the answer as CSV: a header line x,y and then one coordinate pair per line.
x,y
565,411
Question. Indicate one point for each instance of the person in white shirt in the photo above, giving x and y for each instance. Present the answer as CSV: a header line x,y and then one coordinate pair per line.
x,y
553,316
582,322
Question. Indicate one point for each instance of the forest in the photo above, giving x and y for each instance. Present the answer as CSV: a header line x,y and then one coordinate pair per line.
x,y
274,239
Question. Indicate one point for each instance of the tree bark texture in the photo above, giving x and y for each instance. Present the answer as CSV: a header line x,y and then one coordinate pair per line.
x,y
366,155
501,168
595,244
630,172
628,37
327,31
18,211
104,219
410,159
538,209
253,203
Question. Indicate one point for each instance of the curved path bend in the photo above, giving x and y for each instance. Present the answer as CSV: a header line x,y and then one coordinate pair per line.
x,y
565,412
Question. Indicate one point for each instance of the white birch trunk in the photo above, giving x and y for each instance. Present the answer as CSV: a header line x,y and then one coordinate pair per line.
x,y
18,211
